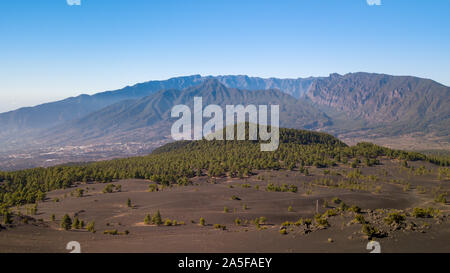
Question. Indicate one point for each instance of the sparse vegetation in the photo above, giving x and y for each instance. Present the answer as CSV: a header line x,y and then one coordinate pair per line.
x,y
336,201
297,148
321,221
218,226
424,213
360,219
79,192
441,198
283,188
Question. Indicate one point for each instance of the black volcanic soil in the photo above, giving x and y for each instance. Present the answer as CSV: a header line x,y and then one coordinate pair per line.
x,y
208,197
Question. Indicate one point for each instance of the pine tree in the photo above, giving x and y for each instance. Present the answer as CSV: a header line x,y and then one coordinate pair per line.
x,y
66,222
75,223
147,219
7,217
157,220
91,227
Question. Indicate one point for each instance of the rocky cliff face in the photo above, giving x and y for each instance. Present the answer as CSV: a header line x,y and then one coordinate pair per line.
x,y
382,99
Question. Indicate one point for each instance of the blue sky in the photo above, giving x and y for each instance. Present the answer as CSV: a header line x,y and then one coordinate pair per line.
x,y
50,50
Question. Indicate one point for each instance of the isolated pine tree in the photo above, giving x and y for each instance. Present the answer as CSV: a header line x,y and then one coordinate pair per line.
x,y
91,227
157,220
7,217
75,223
147,219
66,222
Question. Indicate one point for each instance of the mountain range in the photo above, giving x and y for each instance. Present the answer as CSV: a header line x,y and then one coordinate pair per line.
x,y
351,106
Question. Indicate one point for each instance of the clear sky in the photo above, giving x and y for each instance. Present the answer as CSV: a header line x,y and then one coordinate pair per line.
x,y
51,50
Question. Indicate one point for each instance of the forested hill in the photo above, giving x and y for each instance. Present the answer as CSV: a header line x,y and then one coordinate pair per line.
x,y
177,163
292,136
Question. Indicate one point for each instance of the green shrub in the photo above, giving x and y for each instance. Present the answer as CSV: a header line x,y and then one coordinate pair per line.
x,y
321,221
424,213
111,232
307,222
109,188
370,231
218,226
153,188
331,212
336,200
355,209
80,192
343,206
441,198
395,218
359,219
283,188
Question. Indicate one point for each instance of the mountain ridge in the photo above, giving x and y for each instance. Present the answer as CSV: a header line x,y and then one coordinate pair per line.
x,y
354,105
149,111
